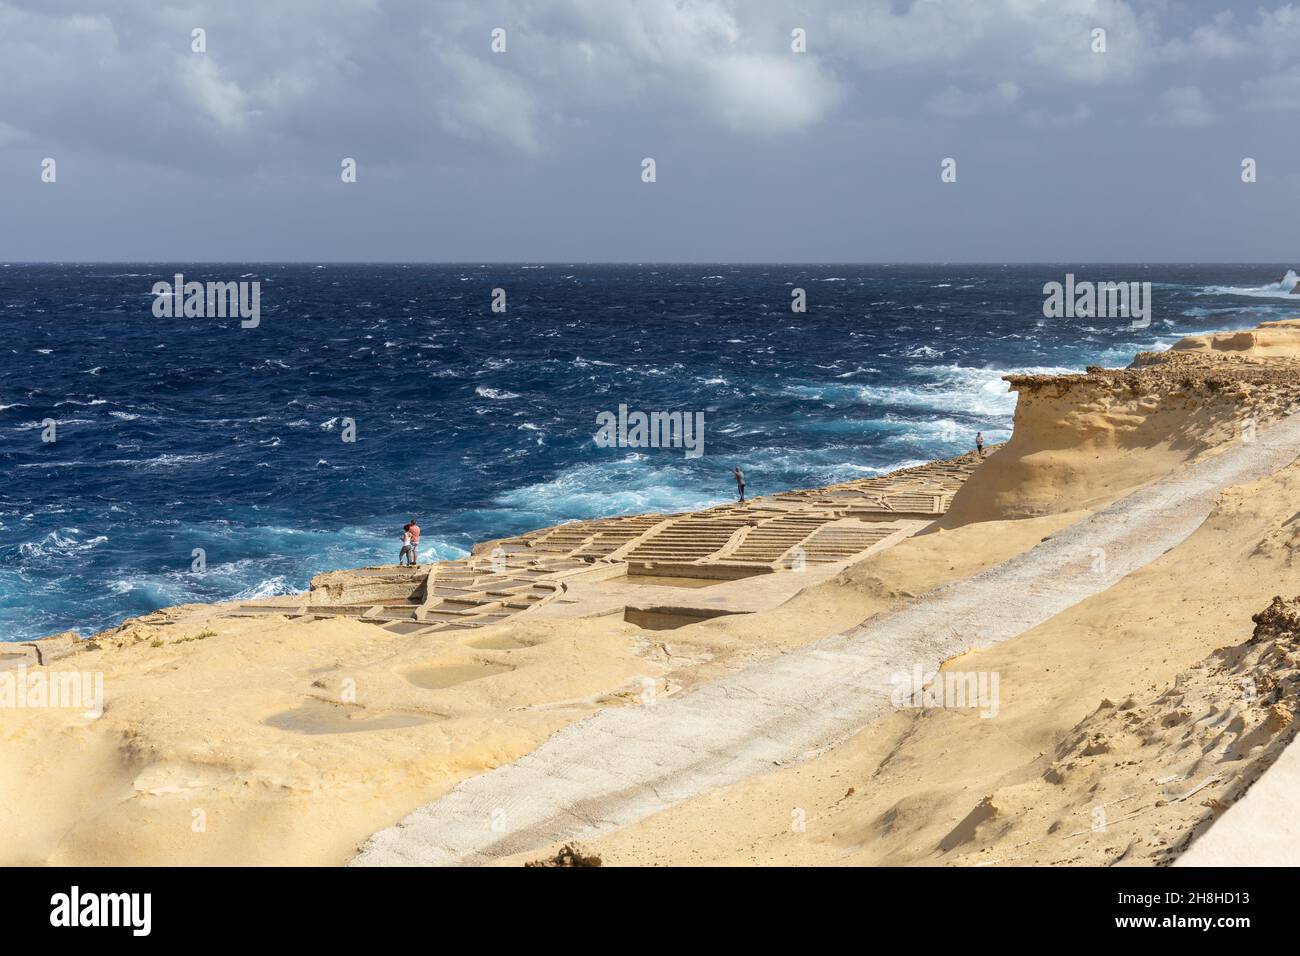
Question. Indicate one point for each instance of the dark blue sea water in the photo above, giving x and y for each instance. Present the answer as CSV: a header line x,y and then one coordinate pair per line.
x,y
176,434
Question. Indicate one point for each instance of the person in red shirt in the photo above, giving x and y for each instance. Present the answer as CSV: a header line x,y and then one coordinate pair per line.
x,y
413,530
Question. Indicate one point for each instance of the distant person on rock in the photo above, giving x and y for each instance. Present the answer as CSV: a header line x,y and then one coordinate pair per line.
x,y
404,556
740,483
413,530
979,443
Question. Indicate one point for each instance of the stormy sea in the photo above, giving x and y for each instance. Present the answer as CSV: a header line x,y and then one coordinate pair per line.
x,y
367,395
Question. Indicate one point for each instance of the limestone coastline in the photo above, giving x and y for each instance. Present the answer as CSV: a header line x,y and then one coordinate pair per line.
x,y
292,730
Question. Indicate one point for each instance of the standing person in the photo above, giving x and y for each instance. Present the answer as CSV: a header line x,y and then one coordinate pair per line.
x,y
740,483
979,443
414,530
404,556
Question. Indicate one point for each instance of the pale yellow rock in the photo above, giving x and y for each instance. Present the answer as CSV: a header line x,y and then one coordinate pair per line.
x,y
270,740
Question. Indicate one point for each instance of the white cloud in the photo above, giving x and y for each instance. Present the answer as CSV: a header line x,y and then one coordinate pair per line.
x,y
1277,33
1183,106
220,100
703,58
1276,92
1216,40
485,101
765,94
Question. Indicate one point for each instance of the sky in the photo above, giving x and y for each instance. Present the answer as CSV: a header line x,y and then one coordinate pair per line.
x,y
762,153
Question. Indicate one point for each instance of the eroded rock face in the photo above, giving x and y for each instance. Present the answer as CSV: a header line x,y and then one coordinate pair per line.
x,y
1279,621
1268,339
1081,441
58,646
367,584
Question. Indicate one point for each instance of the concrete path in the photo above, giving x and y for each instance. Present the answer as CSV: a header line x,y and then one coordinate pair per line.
x,y
622,765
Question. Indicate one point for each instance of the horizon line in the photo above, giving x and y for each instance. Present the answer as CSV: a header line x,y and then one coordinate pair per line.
x,y
636,262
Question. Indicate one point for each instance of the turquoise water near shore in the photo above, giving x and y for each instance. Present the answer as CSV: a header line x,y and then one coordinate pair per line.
x,y
184,434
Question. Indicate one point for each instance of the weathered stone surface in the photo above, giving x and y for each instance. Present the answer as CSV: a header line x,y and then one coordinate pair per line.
x,y
58,646
13,656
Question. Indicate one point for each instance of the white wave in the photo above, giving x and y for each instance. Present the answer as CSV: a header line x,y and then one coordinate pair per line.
x,y
60,545
493,393
62,424
979,392
923,351
630,485
167,461
271,587
1282,289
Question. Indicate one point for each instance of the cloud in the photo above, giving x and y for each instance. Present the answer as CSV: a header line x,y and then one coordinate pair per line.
x,y
956,103
1037,41
1183,106
1057,119
1276,92
700,56
222,101
550,132
1217,40
408,79
1276,33
10,135
765,94
482,100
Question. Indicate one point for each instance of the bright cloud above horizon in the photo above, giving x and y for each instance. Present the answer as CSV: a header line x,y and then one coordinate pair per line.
x,y
545,133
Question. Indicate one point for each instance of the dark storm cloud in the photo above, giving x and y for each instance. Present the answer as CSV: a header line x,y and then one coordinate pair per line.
x,y
763,153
